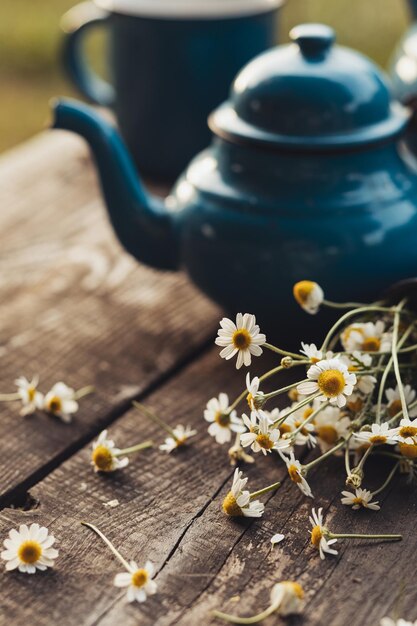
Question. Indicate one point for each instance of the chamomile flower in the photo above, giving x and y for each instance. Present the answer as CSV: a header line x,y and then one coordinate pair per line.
x,y
29,549
180,438
406,437
332,379
378,435
319,534
60,401
394,400
264,437
309,295
223,422
104,456
361,498
330,425
365,383
254,397
31,398
313,354
238,501
138,581
296,473
368,337
294,421
242,338
288,596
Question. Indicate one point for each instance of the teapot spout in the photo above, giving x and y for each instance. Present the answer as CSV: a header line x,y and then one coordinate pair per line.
x,y
142,223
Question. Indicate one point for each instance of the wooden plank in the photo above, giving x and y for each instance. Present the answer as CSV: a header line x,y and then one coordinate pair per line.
x,y
170,512
75,307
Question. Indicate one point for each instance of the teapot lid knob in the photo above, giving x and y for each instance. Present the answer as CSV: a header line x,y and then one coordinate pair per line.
x,y
313,39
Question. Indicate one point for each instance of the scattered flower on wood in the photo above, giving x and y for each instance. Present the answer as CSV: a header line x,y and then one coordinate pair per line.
x,y
29,549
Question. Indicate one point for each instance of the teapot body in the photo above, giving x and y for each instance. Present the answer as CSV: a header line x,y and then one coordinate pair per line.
x,y
251,223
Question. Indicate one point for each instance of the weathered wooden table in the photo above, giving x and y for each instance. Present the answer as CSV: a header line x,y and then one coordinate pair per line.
x,y
75,307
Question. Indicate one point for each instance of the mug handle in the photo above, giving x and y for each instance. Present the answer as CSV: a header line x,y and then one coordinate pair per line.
x,y
75,24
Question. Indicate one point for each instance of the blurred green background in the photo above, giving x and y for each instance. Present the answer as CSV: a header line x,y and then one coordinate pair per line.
x,y
30,70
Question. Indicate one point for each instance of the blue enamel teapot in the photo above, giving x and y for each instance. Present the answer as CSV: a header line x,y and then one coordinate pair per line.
x,y
306,178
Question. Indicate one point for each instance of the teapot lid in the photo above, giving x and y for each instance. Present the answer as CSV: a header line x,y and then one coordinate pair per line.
x,y
310,94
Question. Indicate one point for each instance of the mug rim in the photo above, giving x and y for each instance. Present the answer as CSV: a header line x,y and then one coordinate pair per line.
x,y
181,9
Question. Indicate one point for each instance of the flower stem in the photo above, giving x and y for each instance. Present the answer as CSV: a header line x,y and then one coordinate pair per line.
x,y
232,619
154,418
261,492
9,397
326,454
309,419
109,544
282,390
395,359
84,391
344,305
355,536
388,480
297,406
139,446
283,352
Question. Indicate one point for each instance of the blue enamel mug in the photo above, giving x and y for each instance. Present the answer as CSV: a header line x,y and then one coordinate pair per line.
x,y
171,63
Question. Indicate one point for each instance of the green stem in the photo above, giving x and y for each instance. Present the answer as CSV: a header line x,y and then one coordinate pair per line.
x,y
261,492
344,305
283,352
139,446
84,391
325,455
282,390
309,419
363,459
355,536
399,414
9,397
350,314
395,360
347,459
155,418
388,480
297,406
232,619
108,544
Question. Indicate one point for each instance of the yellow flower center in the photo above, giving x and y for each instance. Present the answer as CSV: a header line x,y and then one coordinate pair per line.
x,y
294,473
408,450
231,507
222,419
139,578
31,393
328,434
355,405
371,344
102,458
241,339
377,439
408,431
54,404
331,383
316,535
293,395
284,428
29,552
249,399
302,291
358,500
264,441
307,412
394,408
296,588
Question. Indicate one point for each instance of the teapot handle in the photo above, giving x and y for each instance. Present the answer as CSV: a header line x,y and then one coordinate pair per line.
x,y
75,24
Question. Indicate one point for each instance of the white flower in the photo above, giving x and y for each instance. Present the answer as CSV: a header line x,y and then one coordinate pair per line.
x,y
181,437
332,378
295,471
312,352
105,457
319,534
361,498
295,420
60,401
407,432
388,621
262,435
330,426
368,337
29,549
277,538
138,581
394,400
31,398
242,338
378,435
288,597
254,397
309,295
222,423
238,502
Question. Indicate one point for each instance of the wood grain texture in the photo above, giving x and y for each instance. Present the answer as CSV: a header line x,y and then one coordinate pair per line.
x,y
170,512
76,307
